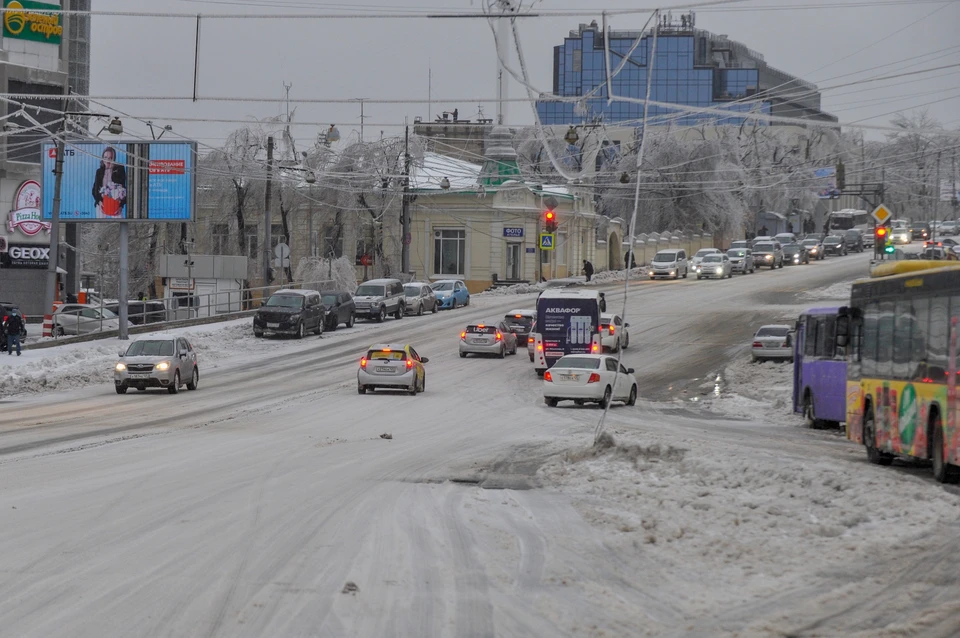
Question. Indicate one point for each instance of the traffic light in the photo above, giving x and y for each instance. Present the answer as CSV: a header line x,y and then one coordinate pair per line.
x,y
889,249
550,221
841,176
881,234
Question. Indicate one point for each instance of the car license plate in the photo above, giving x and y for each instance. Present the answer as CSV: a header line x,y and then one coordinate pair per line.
x,y
384,369
273,325
571,377
478,342
139,375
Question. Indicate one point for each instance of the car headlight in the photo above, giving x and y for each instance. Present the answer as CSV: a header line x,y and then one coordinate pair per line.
x,y
797,258
769,257
120,367
163,365
671,272
295,317
719,269
698,268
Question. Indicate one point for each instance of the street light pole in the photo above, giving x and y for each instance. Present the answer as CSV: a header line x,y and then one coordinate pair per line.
x,y
405,205
51,292
266,214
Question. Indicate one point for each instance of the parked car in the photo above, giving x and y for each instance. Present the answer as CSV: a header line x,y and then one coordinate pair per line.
x,y
614,333
949,227
700,254
920,230
834,245
79,319
377,298
769,254
853,238
419,297
785,238
669,263
480,338
740,244
141,312
589,378
520,322
157,363
715,266
290,312
814,247
451,293
795,254
772,342
338,307
393,367
741,260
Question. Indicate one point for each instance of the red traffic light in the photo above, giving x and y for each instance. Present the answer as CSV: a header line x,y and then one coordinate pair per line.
x,y
882,231
549,216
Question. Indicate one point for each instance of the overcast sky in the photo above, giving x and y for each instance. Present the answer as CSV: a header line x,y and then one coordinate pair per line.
x,y
390,58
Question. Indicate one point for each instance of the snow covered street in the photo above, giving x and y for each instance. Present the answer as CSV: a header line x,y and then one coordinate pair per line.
x,y
247,507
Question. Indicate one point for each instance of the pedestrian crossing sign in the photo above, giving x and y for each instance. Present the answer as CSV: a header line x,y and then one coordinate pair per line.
x,y
546,241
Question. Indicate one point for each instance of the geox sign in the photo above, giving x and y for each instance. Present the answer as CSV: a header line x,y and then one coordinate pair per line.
x,y
25,256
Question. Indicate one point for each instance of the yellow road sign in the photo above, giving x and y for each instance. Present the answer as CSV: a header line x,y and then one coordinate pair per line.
x,y
547,241
881,213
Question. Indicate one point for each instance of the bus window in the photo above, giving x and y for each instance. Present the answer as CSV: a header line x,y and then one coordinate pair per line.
x,y
903,339
871,319
937,343
885,339
855,349
810,338
918,355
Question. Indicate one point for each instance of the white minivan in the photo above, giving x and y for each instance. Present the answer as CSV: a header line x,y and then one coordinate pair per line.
x,y
669,263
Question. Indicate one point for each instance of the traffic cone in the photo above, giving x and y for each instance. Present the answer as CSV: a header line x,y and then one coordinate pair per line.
x,y
47,325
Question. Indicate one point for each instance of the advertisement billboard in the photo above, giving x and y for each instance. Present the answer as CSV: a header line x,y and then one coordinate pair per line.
x,y
27,20
122,181
949,190
826,180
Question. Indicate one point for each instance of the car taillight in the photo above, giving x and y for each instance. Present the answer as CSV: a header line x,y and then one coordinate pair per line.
x,y
363,363
594,378
499,337
409,363
757,344
594,348
530,339
547,376
463,335
611,328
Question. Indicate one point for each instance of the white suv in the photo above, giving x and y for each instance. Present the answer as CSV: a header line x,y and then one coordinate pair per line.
x,y
669,263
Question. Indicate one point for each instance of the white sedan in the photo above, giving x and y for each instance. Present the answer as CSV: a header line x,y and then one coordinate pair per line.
x,y
594,378
613,333
715,266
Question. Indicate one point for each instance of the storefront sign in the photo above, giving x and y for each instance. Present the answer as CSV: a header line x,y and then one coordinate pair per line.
x,y
28,20
25,216
26,256
181,283
513,232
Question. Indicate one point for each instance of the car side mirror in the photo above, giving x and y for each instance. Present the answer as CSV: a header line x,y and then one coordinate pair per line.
x,y
424,360
121,353
630,370
626,325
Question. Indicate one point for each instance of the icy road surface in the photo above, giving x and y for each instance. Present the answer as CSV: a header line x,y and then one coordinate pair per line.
x,y
267,504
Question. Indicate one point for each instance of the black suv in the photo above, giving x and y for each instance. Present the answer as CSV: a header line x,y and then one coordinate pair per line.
x,y
339,308
292,312
853,238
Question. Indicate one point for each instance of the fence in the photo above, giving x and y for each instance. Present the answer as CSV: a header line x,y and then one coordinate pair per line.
x,y
645,245
178,308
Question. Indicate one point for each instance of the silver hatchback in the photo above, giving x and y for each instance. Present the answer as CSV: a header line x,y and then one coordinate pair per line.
x,y
157,363
479,338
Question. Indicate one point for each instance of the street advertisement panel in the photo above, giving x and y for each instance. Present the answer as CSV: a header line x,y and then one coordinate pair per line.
x,y
37,21
949,190
122,181
567,325
826,180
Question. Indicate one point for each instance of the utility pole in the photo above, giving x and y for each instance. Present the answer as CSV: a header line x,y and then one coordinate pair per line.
x,y
405,205
936,203
953,183
361,100
266,214
51,292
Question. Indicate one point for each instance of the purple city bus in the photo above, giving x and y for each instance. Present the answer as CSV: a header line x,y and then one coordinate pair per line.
x,y
819,370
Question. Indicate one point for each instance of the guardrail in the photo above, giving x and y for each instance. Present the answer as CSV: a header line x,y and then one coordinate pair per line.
x,y
174,311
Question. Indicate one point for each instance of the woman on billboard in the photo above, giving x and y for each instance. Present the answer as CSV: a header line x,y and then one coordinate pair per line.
x,y
110,185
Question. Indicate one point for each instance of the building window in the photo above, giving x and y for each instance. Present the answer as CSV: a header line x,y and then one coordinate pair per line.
x,y
367,244
577,60
253,243
449,252
220,234
561,249
332,242
276,235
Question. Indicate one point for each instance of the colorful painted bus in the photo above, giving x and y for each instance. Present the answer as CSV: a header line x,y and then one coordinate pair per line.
x,y
901,329
568,322
819,369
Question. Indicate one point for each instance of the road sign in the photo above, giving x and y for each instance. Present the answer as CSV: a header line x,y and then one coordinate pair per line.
x,y
282,251
281,263
881,213
366,260
546,241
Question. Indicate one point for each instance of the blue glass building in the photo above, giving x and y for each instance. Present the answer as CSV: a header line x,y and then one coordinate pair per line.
x,y
692,67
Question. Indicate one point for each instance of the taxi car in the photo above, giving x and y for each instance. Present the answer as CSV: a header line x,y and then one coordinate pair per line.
x,y
392,367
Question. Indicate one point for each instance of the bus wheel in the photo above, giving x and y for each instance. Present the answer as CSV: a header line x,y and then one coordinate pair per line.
x,y
942,471
809,417
870,442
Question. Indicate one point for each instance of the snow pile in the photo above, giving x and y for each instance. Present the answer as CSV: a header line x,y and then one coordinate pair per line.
x,y
76,365
761,391
838,291
517,289
314,269
609,276
701,505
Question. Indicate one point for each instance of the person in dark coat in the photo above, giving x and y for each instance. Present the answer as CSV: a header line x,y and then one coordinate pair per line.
x,y
14,326
603,302
587,269
630,260
110,183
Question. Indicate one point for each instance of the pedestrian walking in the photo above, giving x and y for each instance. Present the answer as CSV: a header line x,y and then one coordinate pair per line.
x,y
587,269
603,302
14,326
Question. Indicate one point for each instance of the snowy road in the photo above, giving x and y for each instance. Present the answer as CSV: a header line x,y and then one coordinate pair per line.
x,y
244,508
